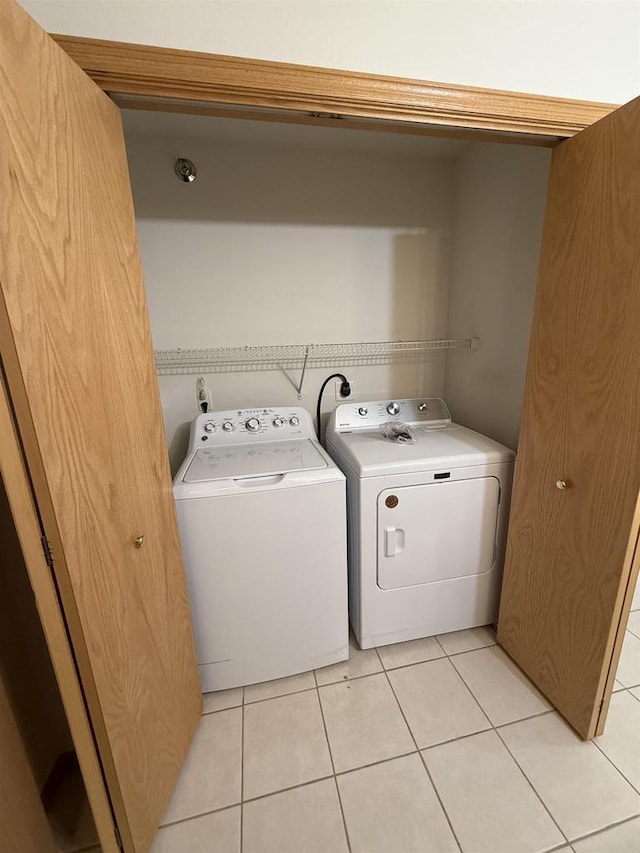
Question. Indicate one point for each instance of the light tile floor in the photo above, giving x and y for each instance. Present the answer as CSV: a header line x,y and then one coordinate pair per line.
x,y
432,746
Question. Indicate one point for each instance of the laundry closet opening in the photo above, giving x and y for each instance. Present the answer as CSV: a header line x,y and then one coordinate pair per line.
x,y
293,234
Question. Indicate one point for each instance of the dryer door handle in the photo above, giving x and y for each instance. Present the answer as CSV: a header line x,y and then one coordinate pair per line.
x,y
394,540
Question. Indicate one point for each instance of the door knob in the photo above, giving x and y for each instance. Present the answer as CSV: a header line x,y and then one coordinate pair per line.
x,y
561,484
138,541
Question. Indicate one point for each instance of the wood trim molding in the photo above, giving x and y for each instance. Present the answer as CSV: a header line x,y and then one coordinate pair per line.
x,y
143,76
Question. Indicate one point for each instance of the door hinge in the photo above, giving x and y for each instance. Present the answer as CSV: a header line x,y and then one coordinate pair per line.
x,y
47,551
118,838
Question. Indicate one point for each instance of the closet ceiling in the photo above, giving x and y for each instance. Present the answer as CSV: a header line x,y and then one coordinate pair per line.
x,y
279,133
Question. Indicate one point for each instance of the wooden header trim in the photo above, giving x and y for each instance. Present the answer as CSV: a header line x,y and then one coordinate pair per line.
x,y
154,74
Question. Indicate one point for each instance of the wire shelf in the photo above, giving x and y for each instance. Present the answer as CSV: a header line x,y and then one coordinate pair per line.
x,y
289,357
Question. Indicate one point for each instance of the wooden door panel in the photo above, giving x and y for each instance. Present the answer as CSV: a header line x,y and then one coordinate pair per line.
x,y
569,552
77,350
27,526
25,828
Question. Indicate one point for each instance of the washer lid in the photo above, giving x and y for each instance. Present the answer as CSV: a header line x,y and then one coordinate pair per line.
x,y
370,454
262,459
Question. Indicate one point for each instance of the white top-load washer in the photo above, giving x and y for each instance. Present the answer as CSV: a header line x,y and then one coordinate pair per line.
x,y
262,514
427,520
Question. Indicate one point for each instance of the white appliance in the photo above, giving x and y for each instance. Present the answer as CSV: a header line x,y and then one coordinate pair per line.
x,y
427,520
262,515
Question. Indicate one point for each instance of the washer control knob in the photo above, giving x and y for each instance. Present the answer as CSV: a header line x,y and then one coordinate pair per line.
x,y
363,411
253,424
209,427
393,408
294,421
278,422
422,407
227,426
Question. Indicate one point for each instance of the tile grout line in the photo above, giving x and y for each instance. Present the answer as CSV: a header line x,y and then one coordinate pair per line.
x,y
288,693
490,728
524,719
613,764
497,729
444,654
382,761
424,764
335,775
333,766
593,741
628,687
355,677
201,814
604,829
242,775
305,784
288,788
473,696
533,788
440,646
375,763
494,726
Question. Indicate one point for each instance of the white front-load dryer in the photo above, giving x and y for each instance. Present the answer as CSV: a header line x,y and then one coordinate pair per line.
x,y
427,519
262,515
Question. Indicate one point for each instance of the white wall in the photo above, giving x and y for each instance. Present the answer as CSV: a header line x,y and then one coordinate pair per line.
x,y
498,214
575,48
280,244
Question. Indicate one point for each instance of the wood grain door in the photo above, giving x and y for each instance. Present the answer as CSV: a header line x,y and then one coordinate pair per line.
x,y
25,828
570,567
77,354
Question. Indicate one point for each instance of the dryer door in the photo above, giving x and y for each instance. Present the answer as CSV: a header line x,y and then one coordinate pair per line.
x,y
437,531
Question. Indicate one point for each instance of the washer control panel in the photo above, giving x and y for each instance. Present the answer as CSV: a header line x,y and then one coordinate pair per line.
x,y
246,426
430,411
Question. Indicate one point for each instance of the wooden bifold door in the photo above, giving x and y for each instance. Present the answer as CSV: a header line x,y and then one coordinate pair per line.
x,y
80,375
571,562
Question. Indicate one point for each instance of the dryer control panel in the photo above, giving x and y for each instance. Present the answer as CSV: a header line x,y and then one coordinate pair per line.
x,y
428,411
247,426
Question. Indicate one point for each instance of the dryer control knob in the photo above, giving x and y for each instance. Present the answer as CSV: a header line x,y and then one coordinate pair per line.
x,y
209,427
393,408
253,424
294,421
278,422
227,426
363,411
